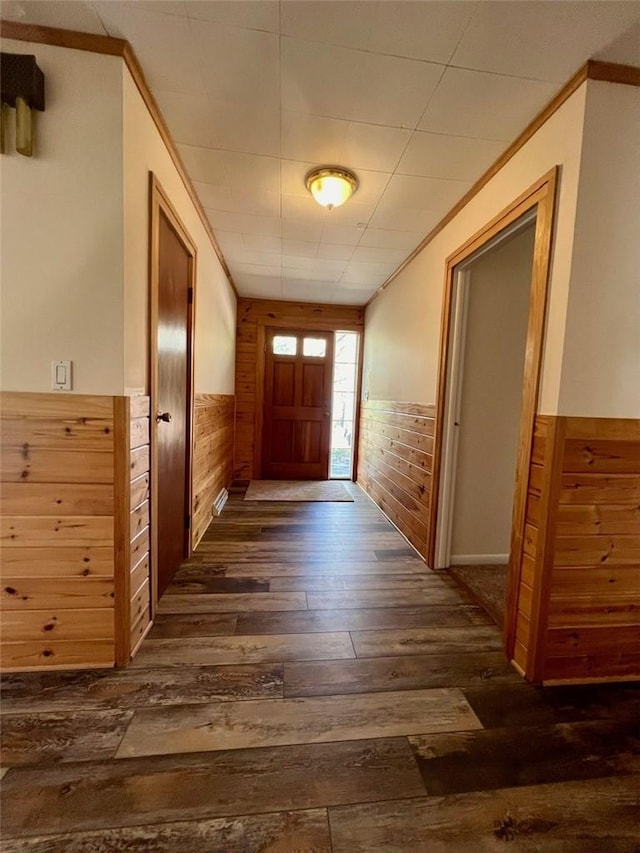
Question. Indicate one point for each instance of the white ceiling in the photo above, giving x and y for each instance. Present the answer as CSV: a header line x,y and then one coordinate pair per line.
x,y
418,98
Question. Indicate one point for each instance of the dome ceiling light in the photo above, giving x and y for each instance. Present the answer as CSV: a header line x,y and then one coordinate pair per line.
x,y
331,186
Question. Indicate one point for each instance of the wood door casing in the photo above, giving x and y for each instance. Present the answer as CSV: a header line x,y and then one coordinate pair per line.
x,y
297,409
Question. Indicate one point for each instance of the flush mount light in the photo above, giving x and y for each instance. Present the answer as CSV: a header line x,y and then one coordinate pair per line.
x,y
331,186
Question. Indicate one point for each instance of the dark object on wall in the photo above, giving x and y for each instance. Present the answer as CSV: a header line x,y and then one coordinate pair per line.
x,y
22,87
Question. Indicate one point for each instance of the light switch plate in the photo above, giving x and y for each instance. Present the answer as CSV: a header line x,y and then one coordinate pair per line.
x,y
61,379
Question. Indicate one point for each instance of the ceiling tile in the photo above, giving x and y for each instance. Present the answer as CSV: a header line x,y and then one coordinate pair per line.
x,y
69,15
310,138
335,252
353,214
542,40
372,274
427,31
231,242
164,45
238,258
196,120
485,106
251,172
344,295
313,268
293,230
300,248
268,226
625,49
374,254
308,291
341,235
302,208
404,218
238,65
348,84
262,242
252,14
432,194
204,164
373,146
437,155
331,21
262,270
385,239
258,286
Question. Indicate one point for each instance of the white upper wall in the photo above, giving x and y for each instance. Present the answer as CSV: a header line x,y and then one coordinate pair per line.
x,y
403,323
62,236
214,354
601,365
75,235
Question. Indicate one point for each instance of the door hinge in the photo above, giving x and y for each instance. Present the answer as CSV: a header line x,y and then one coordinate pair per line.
x,y
187,522
190,296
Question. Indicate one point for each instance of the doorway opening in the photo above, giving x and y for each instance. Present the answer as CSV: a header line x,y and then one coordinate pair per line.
x,y
483,400
538,203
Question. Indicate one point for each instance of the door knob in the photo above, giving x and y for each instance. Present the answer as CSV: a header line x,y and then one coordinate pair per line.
x,y
163,416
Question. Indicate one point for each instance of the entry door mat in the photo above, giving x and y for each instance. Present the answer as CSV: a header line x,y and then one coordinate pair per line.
x,y
487,585
297,490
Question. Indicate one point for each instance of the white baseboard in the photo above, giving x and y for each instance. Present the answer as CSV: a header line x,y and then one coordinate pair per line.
x,y
479,560
220,501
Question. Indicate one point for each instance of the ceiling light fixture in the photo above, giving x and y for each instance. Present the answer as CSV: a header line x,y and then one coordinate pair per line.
x,y
331,186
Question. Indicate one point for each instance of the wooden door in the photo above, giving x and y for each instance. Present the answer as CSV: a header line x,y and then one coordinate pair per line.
x,y
297,404
172,401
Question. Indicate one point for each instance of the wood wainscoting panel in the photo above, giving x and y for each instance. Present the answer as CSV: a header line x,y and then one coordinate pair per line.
x,y
580,567
254,315
58,509
213,440
74,530
395,463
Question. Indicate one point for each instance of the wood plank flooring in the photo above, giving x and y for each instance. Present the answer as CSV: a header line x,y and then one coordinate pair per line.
x,y
309,684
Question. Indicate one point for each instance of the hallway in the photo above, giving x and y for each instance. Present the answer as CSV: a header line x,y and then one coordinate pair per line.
x,y
310,685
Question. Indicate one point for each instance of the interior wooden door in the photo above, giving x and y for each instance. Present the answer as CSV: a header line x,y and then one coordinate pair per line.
x,y
297,404
172,401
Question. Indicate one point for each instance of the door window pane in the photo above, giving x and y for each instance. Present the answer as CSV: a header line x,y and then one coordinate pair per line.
x,y
314,347
284,345
343,407
346,347
344,378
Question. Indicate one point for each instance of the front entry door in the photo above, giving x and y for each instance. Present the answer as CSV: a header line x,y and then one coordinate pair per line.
x,y
173,401
297,405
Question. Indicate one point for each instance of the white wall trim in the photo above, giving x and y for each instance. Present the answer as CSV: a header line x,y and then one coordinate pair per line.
x,y
479,560
220,501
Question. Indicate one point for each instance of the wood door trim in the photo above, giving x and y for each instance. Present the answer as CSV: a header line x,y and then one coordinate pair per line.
x,y
122,527
545,548
541,195
159,203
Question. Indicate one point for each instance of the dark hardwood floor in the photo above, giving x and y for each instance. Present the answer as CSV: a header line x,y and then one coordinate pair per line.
x,y
309,685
